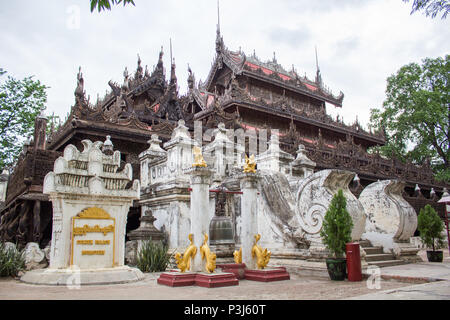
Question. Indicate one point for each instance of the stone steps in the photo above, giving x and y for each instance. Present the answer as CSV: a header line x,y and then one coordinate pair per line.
x,y
385,263
365,243
373,250
376,257
379,257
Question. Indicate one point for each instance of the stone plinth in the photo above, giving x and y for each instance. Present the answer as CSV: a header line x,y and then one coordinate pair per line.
x,y
249,183
215,280
146,230
201,279
200,181
267,275
238,269
177,279
75,277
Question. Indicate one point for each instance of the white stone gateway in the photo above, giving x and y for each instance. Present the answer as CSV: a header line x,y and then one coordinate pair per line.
x,y
391,220
90,207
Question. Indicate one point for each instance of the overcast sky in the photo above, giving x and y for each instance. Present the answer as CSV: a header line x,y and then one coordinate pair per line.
x,y
360,42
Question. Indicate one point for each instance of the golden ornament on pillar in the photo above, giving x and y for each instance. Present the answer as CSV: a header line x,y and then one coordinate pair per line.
x,y
250,164
208,255
262,256
238,256
184,262
198,158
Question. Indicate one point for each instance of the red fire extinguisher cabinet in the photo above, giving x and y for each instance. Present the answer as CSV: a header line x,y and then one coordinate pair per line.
x,y
353,262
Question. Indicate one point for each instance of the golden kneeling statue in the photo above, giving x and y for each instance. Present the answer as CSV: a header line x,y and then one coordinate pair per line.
x,y
184,262
206,254
250,164
198,157
262,256
238,256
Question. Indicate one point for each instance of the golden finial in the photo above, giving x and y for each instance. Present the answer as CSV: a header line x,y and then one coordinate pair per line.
x,y
198,158
184,262
250,164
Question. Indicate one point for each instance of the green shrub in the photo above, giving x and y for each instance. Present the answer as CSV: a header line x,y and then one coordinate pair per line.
x,y
430,227
153,257
11,261
337,226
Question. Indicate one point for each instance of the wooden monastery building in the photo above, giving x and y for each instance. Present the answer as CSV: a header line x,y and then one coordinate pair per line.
x,y
240,91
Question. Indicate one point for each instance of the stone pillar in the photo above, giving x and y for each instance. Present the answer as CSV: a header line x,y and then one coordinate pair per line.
x,y
249,183
200,181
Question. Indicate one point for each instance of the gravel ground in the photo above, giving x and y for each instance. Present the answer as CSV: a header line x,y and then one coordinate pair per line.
x,y
298,288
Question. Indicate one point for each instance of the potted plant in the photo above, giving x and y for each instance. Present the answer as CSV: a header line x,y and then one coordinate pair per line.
x,y
336,232
430,227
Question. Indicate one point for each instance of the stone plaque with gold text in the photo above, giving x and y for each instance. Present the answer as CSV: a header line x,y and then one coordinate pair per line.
x,y
93,237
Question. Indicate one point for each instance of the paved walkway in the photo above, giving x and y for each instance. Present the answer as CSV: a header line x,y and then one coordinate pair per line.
x,y
433,279
414,281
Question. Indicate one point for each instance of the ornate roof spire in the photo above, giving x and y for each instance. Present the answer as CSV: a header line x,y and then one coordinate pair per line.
x,y
191,79
318,76
219,38
160,60
139,69
79,91
125,85
159,71
173,77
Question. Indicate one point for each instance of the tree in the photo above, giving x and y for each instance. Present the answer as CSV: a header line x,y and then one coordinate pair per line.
x,y
416,115
106,4
20,102
430,227
431,7
337,225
